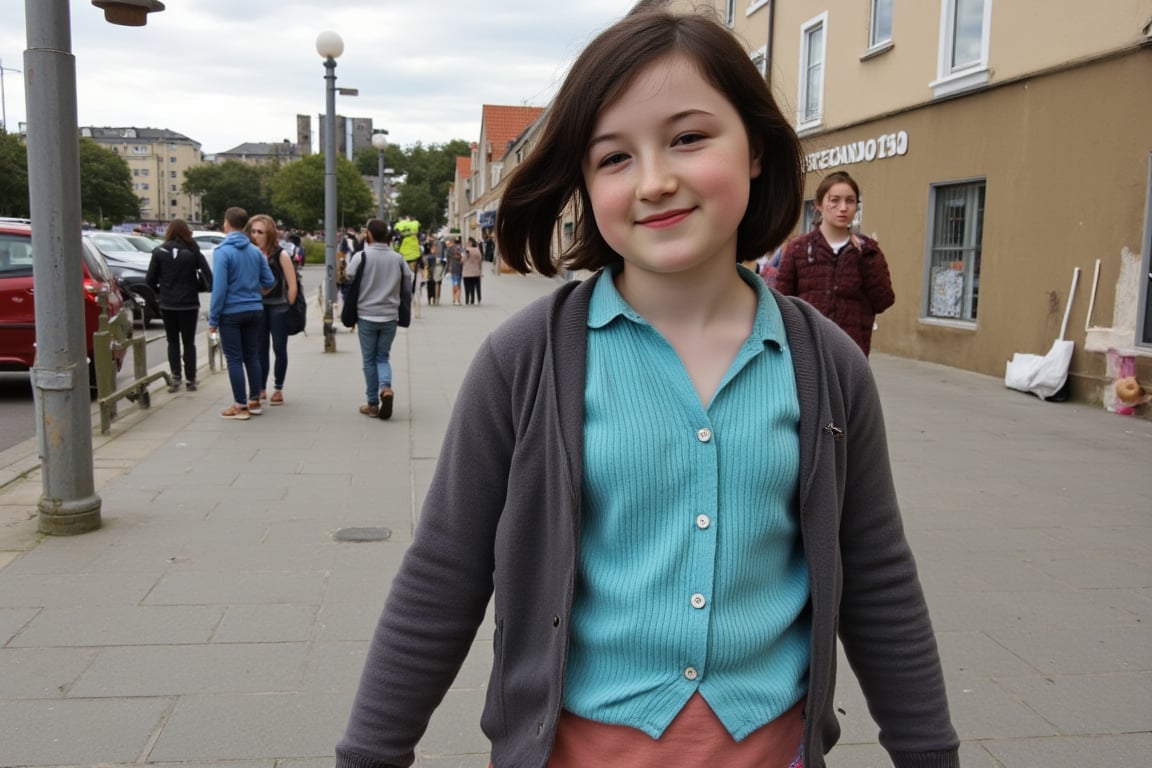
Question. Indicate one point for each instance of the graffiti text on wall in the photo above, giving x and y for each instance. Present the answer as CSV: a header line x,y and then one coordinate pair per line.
x,y
888,145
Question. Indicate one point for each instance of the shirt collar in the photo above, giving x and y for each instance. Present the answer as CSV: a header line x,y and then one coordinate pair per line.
x,y
606,304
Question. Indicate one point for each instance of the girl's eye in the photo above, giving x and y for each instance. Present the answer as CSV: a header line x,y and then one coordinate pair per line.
x,y
614,159
689,138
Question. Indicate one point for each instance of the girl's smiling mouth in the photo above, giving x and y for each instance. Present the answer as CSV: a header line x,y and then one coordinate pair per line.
x,y
665,219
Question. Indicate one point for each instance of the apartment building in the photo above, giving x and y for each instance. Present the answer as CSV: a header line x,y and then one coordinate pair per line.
x,y
260,152
1000,147
157,159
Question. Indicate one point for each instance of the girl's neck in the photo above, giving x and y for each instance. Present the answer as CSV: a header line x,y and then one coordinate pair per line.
x,y
694,298
834,234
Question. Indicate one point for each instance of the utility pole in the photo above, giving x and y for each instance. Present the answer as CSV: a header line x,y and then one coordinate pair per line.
x,y
68,502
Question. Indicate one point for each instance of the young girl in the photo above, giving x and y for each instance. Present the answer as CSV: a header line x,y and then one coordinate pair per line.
x,y
678,490
841,273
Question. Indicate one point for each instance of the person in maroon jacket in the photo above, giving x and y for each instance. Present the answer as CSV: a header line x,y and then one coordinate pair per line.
x,y
841,273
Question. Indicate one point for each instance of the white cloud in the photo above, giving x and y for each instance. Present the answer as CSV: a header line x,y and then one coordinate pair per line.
x,y
224,72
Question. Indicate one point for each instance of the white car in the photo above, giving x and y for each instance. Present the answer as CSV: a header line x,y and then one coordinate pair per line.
x,y
207,239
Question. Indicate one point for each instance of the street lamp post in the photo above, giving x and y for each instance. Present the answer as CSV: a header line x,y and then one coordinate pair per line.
x,y
3,98
380,141
329,45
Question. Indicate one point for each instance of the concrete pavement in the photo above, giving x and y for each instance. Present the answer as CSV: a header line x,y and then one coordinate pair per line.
x,y
216,621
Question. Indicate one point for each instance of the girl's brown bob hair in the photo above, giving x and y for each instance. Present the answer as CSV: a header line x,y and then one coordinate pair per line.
x,y
542,185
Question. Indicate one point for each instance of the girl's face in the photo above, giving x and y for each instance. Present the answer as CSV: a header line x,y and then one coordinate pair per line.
x,y
668,170
839,206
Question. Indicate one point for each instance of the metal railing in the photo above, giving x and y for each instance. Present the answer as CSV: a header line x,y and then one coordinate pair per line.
x,y
112,336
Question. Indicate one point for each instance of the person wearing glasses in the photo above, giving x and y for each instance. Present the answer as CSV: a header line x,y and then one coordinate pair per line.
x,y
274,337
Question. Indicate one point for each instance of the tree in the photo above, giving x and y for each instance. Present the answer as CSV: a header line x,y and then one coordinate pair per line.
x,y
105,185
227,184
428,171
13,176
298,191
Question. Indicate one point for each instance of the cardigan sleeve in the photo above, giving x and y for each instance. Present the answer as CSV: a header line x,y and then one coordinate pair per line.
x,y
440,594
883,619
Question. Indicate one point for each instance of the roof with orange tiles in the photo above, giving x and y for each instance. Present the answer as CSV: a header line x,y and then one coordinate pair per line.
x,y
463,167
502,125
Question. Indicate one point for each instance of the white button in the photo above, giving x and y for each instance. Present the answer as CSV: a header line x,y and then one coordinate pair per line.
x,y
704,434
698,600
703,521
691,673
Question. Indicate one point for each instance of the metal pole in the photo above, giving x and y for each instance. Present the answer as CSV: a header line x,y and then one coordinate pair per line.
x,y
380,184
68,503
329,203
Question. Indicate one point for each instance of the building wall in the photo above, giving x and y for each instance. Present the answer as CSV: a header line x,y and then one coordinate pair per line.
x,y
157,166
1061,193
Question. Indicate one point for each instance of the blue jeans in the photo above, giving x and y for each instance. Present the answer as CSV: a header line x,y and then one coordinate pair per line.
x,y
240,342
376,349
276,332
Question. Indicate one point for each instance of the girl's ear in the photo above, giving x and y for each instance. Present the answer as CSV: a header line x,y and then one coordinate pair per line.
x,y
755,168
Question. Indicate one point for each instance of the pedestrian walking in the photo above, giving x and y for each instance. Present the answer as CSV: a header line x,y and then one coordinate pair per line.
x,y
454,256
841,273
435,267
174,274
377,307
471,270
261,230
236,311
674,481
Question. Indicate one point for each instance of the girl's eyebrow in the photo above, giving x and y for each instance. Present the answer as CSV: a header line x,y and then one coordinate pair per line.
x,y
671,119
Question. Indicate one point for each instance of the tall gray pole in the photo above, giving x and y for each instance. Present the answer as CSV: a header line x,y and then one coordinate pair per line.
x,y
68,503
380,184
329,203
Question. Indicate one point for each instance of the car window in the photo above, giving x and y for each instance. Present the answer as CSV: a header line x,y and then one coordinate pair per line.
x,y
97,267
15,254
112,243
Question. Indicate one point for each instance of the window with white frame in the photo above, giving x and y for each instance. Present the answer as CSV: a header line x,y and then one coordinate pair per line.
x,y
965,28
952,271
760,59
880,28
812,48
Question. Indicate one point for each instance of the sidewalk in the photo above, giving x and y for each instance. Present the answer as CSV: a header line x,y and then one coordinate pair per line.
x,y
215,621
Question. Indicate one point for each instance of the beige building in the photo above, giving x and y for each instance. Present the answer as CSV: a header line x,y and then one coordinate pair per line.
x,y
1000,147
157,159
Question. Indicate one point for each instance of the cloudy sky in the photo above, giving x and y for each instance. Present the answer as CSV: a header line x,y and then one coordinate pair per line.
x,y
223,72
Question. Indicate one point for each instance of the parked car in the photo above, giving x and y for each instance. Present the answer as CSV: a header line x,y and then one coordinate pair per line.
x,y
130,265
208,239
17,308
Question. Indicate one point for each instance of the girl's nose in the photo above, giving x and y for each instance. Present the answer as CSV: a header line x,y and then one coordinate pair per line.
x,y
656,180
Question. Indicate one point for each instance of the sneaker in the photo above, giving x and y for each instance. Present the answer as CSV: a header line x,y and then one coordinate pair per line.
x,y
235,412
190,386
386,403
254,407
175,385
263,394
277,398
370,410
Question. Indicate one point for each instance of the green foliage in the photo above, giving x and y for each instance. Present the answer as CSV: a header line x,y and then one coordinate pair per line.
x,y
298,191
313,251
13,176
105,185
227,184
429,172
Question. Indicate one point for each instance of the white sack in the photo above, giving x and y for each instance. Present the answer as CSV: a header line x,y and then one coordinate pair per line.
x,y
1041,375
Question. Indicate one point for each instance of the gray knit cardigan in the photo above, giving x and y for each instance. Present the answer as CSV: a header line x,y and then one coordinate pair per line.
x,y
507,524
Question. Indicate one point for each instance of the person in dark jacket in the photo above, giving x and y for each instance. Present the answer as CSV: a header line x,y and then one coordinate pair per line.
x,y
174,274
841,273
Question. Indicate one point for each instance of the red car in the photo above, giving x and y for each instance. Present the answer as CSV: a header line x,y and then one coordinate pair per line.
x,y
18,312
